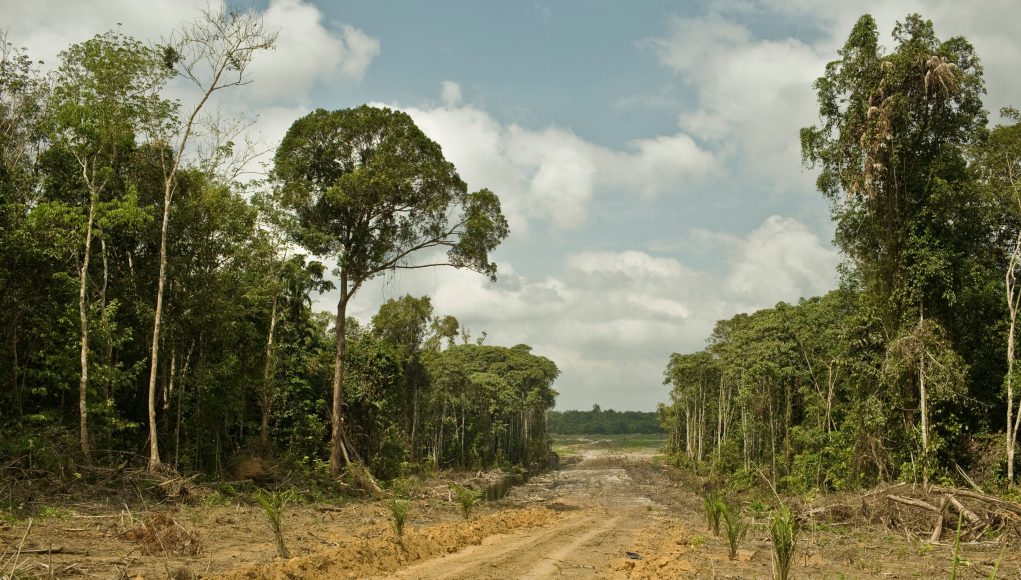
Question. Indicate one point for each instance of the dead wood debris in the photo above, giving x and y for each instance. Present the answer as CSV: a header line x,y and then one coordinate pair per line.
x,y
158,533
930,513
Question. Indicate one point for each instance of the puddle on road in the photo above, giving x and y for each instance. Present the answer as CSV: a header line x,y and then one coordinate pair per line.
x,y
500,489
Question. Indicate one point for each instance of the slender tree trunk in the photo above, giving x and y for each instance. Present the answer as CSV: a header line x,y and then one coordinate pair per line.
x,y
83,313
923,394
688,447
154,450
1013,299
168,392
338,451
267,377
414,421
830,388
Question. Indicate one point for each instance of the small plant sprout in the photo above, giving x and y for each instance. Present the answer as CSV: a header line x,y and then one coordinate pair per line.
x,y
467,498
784,531
713,508
273,503
955,563
734,525
399,509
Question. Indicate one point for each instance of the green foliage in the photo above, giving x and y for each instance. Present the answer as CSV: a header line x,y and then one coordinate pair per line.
x,y
273,504
95,139
734,526
828,393
713,507
399,509
466,499
783,529
603,422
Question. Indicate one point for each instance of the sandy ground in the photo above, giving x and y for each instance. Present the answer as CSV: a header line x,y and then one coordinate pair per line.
x,y
577,522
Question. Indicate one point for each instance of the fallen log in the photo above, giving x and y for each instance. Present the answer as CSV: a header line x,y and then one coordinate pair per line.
x,y
913,502
937,531
969,515
1000,503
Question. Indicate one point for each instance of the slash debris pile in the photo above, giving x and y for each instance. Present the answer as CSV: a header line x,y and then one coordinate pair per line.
x,y
929,512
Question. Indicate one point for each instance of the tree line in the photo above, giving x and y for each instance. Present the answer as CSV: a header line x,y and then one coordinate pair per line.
x,y
907,369
156,303
603,422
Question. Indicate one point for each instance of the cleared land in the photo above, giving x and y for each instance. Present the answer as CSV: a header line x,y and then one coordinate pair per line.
x,y
612,496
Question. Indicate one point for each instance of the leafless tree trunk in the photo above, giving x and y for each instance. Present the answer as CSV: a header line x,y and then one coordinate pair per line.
x,y
83,314
267,380
923,395
338,450
1013,302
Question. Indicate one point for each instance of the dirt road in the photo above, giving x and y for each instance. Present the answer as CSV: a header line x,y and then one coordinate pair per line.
x,y
603,511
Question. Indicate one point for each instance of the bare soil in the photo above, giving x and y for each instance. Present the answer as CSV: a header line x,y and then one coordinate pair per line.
x,y
606,514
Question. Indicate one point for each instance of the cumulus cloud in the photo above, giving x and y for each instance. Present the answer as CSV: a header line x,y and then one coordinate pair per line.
x,y
451,93
610,319
551,174
752,94
309,52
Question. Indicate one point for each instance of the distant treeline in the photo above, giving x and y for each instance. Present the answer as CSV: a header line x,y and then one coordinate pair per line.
x,y
600,422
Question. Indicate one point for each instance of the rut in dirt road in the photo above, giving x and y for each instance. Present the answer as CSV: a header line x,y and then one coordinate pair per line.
x,y
603,509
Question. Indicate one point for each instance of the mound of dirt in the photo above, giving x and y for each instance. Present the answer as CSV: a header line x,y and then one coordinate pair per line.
x,y
360,558
664,550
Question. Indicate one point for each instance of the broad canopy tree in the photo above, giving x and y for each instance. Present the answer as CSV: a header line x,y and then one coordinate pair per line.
x,y
369,188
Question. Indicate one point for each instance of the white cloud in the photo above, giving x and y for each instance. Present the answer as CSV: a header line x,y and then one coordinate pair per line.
x,y
610,319
310,52
781,258
752,94
451,93
552,174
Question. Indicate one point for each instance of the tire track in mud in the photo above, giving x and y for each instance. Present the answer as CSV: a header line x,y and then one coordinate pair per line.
x,y
581,546
604,511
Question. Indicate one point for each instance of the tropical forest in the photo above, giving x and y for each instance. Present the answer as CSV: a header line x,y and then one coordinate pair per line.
x,y
268,309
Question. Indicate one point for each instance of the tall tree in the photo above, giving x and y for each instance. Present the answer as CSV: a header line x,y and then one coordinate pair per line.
x,y
368,187
107,89
891,149
212,53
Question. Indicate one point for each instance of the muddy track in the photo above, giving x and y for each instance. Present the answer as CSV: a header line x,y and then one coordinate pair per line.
x,y
603,511
579,546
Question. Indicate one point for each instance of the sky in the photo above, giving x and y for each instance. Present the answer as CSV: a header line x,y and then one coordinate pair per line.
x,y
646,153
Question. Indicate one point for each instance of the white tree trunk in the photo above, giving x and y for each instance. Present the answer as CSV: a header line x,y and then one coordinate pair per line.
x,y
83,314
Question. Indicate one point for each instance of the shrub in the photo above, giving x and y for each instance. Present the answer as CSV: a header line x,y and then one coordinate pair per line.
x,y
713,509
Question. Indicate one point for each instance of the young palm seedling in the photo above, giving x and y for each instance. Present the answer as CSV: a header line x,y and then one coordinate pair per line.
x,y
784,531
399,509
734,525
273,503
713,509
467,498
